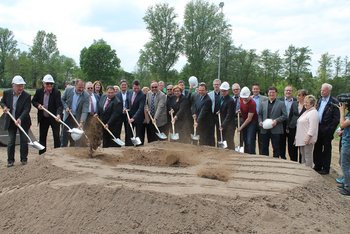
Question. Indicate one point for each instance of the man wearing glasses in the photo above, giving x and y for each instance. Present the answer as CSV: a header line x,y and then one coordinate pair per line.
x,y
49,98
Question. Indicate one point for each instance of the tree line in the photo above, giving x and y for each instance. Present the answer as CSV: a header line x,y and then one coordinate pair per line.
x,y
205,38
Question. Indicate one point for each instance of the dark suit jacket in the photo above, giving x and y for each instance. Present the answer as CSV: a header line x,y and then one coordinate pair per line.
x,y
330,118
227,112
112,112
23,107
203,111
55,103
136,110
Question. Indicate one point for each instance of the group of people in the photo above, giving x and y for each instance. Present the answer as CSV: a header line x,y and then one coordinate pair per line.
x,y
302,126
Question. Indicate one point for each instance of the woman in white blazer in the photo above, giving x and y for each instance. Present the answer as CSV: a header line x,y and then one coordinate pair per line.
x,y
307,130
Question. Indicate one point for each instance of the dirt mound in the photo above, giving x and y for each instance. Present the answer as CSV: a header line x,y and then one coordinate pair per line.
x,y
159,188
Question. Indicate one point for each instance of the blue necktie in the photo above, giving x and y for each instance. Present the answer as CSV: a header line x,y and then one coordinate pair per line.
x,y
152,105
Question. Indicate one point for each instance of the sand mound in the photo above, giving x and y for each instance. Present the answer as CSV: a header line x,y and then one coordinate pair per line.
x,y
156,189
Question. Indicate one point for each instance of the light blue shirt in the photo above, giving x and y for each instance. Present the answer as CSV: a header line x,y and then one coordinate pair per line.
x,y
75,102
14,103
323,103
345,140
256,99
288,103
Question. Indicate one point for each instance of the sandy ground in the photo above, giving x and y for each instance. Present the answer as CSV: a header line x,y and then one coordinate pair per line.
x,y
166,188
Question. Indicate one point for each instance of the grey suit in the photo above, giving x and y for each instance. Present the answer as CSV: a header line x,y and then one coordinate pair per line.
x,y
160,114
279,114
258,100
81,113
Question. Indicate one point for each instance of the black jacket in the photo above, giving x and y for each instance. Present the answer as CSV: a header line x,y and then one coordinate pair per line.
x,y
112,112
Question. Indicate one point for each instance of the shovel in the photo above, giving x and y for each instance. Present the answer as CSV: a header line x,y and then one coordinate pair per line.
x,y
239,148
135,140
35,144
76,133
194,136
221,143
173,136
161,135
76,121
116,140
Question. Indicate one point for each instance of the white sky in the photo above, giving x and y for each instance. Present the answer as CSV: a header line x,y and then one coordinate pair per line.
x,y
322,25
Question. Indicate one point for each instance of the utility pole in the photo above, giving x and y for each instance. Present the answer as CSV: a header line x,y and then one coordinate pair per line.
x,y
221,5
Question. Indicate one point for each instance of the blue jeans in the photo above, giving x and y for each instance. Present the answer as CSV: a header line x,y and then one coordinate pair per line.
x,y
275,140
249,138
345,165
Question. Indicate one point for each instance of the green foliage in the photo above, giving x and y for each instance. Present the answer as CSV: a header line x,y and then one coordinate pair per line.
x,y
7,49
163,50
100,62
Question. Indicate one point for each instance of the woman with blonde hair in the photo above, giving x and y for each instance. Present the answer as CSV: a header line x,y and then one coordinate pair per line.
x,y
307,131
98,88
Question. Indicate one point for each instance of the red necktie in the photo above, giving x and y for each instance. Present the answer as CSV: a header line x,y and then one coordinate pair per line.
x,y
133,98
106,103
92,105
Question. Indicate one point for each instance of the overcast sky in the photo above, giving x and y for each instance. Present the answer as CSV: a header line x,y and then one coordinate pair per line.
x,y
322,25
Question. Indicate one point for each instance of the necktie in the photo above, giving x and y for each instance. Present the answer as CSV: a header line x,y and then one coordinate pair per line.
x,y
152,105
106,103
133,98
221,101
91,105
46,102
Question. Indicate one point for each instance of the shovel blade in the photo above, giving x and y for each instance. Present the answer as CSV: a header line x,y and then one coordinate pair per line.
x,y
195,137
174,136
161,135
239,149
118,141
36,145
136,141
222,144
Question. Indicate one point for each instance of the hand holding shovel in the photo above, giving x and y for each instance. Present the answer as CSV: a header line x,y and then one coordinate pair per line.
x,y
105,126
194,136
221,143
174,136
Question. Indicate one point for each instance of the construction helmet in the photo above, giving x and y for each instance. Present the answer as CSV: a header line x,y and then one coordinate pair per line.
x,y
193,81
225,86
48,79
18,80
245,92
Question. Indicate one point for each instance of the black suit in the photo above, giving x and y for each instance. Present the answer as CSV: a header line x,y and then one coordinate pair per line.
x,y
205,120
227,112
326,129
110,115
55,106
23,107
136,111
184,120
123,119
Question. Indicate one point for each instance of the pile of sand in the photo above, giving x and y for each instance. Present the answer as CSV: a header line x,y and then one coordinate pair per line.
x,y
165,188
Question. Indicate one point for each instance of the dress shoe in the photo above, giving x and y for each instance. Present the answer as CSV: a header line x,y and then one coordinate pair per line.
x,y
323,172
10,164
24,163
345,192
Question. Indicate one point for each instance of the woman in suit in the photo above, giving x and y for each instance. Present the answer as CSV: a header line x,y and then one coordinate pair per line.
x,y
182,114
307,130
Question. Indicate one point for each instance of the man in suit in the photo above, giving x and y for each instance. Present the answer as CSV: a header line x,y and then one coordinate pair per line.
x,y
329,116
49,98
156,106
203,112
75,100
276,110
17,102
123,98
227,113
288,133
258,98
110,109
215,106
136,104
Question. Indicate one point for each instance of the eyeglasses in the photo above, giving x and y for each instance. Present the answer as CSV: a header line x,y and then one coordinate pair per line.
x,y
90,88
49,83
168,89
235,89
154,87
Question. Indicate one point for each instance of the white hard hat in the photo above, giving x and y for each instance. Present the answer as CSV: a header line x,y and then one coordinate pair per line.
x,y
225,86
267,124
193,81
48,79
245,92
18,80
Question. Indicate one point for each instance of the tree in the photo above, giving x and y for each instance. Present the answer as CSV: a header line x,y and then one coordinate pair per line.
x,y
44,52
164,48
8,47
203,26
100,62
325,68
